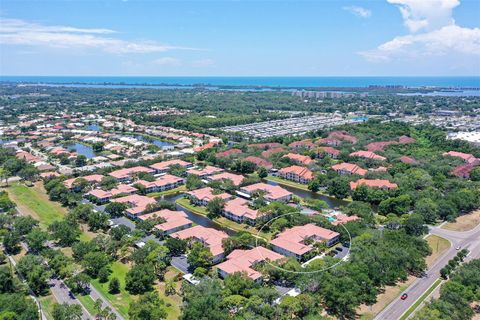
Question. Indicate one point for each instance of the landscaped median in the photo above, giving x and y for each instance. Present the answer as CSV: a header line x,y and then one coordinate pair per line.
x,y
420,300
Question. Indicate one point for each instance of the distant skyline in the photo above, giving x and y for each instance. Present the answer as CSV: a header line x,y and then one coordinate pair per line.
x,y
241,38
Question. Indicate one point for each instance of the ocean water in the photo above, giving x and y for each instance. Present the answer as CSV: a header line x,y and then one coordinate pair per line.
x,y
291,82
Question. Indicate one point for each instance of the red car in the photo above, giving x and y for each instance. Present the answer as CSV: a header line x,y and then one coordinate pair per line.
x,y
404,296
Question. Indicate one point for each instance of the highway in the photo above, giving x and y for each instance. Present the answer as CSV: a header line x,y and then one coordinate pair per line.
x,y
469,240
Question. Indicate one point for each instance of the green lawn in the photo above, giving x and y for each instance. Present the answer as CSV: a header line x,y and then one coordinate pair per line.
x,y
173,302
47,303
168,192
421,299
288,183
34,201
121,300
184,202
88,303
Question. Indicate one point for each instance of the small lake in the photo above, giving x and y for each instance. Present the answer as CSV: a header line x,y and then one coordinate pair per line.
x,y
445,93
332,202
94,127
81,148
4,141
157,142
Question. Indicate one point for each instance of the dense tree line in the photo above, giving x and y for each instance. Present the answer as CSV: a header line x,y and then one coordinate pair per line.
x,y
456,296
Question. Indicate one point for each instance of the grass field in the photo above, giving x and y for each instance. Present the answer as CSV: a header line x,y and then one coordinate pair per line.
x,y
47,303
34,202
168,192
465,222
421,299
438,245
88,303
121,300
289,183
184,202
172,302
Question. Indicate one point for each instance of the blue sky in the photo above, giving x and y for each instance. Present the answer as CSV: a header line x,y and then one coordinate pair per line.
x,y
244,38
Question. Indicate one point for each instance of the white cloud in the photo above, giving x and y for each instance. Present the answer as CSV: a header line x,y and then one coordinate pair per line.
x,y
167,61
438,42
358,11
426,14
440,36
19,32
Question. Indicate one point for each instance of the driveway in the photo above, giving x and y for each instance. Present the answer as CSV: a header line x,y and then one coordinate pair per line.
x,y
180,263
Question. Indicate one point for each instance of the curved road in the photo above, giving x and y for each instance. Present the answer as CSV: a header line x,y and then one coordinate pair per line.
x,y
469,240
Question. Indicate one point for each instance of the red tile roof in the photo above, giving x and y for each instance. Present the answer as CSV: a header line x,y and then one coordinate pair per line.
x,y
228,153
206,171
173,219
244,260
408,160
342,135
235,178
464,170
343,218
405,140
265,145
299,171
293,239
27,156
268,153
367,155
160,182
379,146
210,237
128,172
120,189
300,159
349,167
259,162
467,157
329,141
273,192
91,178
165,165
205,146
329,150
137,203
239,207
373,183
207,194
302,144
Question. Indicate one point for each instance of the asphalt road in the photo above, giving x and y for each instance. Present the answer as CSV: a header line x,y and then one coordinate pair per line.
x,y
469,240
62,295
